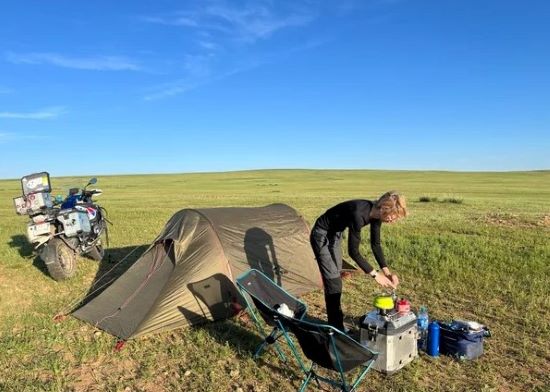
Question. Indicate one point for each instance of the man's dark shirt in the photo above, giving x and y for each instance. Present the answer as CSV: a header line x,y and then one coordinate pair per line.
x,y
354,215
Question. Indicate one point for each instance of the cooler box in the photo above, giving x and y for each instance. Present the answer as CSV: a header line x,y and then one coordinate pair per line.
x,y
394,336
461,344
74,222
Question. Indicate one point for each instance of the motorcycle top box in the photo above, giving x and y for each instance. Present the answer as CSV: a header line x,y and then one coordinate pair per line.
x,y
37,182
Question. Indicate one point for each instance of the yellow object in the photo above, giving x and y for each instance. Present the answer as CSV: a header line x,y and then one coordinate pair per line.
x,y
384,302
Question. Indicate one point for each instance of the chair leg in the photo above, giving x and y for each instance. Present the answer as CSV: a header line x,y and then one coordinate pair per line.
x,y
307,380
260,329
361,376
295,353
270,339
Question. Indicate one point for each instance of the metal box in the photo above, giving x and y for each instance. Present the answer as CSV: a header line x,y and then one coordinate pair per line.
x,y
33,203
34,183
38,201
20,204
394,336
35,230
74,222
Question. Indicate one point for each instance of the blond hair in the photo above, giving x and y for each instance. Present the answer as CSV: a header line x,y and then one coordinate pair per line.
x,y
392,203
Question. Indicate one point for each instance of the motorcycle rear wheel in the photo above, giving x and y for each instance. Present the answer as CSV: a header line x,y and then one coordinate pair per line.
x,y
60,259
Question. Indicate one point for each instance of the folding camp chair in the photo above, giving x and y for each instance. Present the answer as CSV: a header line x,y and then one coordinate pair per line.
x,y
266,297
329,348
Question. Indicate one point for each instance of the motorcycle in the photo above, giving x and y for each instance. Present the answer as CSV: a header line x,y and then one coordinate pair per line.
x,y
62,229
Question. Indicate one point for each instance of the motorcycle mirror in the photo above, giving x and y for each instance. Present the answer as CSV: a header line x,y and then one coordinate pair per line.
x,y
92,181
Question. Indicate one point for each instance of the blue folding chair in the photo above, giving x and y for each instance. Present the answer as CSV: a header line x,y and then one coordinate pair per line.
x,y
266,297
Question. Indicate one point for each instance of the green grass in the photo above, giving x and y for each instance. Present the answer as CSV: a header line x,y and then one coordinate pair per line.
x,y
485,258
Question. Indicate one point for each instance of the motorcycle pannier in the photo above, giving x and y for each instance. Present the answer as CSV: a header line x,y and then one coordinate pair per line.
x,y
33,203
20,205
37,182
74,222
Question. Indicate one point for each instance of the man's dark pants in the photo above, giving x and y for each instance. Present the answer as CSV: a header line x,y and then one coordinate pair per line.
x,y
327,247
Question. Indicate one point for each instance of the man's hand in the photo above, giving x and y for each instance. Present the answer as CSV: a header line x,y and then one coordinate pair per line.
x,y
393,277
383,281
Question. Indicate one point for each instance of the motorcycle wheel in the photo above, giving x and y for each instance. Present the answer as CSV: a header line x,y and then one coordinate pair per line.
x,y
60,259
96,253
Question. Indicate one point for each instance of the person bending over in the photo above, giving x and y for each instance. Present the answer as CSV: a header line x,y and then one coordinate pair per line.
x,y
326,238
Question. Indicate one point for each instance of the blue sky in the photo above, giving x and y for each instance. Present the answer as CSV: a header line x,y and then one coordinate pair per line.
x,y
110,87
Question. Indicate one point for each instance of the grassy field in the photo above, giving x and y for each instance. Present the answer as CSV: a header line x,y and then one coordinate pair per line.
x,y
477,247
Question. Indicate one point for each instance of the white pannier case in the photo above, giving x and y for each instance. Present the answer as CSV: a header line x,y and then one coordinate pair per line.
x,y
35,230
36,183
33,203
20,204
74,222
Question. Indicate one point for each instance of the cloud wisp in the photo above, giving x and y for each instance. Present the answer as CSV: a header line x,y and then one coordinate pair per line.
x,y
92,63
223,38
257,20
9,137
6,137
43,114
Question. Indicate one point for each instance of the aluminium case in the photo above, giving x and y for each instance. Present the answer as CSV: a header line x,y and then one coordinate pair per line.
x,y
74,222
37,182
393,336
32,203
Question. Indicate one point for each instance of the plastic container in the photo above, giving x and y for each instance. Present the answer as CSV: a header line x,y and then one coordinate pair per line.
x,y
422,321
403,306
433,339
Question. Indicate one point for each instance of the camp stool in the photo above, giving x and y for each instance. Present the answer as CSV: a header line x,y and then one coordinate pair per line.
x,y
331,349
266,295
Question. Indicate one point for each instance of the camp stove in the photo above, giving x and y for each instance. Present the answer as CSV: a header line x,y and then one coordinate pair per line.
x,y
391,331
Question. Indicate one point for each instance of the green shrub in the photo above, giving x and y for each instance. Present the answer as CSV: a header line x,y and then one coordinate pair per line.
x,y
427,199
454,200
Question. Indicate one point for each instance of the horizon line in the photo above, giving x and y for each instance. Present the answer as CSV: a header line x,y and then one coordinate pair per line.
x,y
290,169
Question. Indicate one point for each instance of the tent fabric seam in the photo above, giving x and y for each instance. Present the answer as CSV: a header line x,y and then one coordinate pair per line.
x,y
220,244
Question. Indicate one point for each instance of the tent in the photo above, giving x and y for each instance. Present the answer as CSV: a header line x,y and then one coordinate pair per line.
x,y
187,275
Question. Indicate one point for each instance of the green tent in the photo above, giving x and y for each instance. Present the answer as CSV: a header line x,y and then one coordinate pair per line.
x,y
187,275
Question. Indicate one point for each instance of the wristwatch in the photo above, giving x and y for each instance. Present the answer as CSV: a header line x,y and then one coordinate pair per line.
x,y
373,273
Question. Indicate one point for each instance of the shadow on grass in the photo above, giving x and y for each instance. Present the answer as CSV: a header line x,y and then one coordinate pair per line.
x,y
26,251
108,268
241,334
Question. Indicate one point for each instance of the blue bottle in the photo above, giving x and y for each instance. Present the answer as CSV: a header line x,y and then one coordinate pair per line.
x,y
422,321
433,339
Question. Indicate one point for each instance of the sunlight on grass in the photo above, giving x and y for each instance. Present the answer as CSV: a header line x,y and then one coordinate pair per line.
x,y
471,248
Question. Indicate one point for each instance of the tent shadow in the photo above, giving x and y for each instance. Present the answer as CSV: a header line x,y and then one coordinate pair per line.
x,y
261,255
116,262
244,339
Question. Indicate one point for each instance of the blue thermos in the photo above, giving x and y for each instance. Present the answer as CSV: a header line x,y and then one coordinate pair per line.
x,y
433,339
